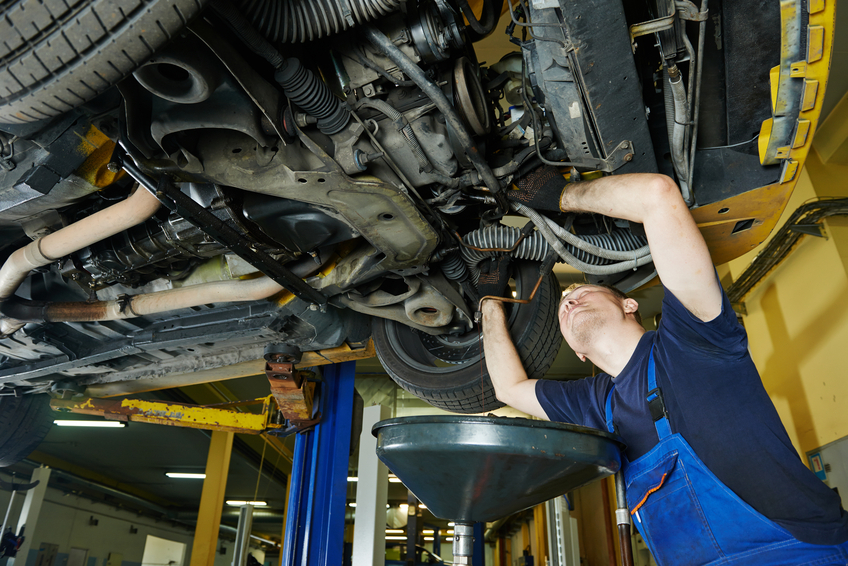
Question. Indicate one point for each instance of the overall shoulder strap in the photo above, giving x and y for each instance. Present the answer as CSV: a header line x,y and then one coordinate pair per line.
x,y
656,404
610,426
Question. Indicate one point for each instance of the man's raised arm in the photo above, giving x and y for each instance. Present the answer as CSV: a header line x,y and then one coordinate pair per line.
x,y
679,252
508,376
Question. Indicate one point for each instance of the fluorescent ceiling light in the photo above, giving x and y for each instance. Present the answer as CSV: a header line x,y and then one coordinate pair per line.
x,y
100,424
394,531
239,503
422,506
352,504
428,538
185,476
352,479
403,507
395,538
394,479
450,532
428,531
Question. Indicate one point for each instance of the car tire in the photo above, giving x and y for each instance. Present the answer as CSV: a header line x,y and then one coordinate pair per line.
x,y
24,422
60,54
448,372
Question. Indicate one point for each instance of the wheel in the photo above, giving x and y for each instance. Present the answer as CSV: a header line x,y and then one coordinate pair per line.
x,y
447,371
24,422
57,55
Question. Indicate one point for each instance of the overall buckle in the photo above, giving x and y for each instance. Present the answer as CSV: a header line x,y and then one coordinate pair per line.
x,y
656,404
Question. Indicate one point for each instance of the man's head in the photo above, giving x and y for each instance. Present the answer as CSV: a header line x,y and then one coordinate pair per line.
x,y
589,312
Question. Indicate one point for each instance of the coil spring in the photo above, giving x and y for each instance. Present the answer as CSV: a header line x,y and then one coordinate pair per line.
x,y
313,96
299,21
535,248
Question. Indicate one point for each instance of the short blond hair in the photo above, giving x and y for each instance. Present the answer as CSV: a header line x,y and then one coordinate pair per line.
x,y
615,291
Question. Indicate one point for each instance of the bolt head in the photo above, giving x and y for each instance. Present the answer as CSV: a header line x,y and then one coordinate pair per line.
x,y
113,167
628,157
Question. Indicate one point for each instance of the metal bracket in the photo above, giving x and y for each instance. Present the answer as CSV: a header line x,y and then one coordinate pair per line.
x,y
683,9
816,230
622,154
294,395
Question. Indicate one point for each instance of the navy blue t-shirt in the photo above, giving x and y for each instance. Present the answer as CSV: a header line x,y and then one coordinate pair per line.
x,y
717,402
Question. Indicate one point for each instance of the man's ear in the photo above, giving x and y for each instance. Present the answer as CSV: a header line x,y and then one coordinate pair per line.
x,y
581,356
630,305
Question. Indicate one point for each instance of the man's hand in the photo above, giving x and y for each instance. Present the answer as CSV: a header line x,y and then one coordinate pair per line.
x,y
542,189
494,276
504,364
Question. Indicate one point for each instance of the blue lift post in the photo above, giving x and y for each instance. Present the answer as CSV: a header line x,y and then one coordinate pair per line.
x,y
314,534
479,556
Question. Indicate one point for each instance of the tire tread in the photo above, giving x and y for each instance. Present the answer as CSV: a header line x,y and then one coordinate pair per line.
x,y
53,48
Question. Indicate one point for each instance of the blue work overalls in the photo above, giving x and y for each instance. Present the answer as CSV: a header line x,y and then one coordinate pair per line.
x,y
688,516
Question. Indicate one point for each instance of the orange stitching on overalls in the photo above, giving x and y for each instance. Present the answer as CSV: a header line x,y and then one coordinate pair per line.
x,y
650,491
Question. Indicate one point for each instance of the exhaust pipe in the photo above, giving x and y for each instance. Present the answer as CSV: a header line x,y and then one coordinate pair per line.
x,y
237,290
135,209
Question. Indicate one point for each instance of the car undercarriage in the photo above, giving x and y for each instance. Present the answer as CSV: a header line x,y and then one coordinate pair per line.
x,y
186,184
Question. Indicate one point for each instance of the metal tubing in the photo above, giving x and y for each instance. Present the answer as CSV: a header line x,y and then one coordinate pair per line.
x,y
414,72
463,543
8,510
622,516
245,525
137,208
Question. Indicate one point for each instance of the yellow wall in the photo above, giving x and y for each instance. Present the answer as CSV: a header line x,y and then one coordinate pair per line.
x,y
797,320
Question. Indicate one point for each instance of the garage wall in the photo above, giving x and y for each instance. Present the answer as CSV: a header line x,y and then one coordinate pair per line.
x,y
797,320
64,521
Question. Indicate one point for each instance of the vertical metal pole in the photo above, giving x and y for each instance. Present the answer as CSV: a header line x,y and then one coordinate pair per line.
x,y
205,545
8,510
622,518
413,528
369,533
245,526
479,558
295,495
314,534
30,512
327,543
463,543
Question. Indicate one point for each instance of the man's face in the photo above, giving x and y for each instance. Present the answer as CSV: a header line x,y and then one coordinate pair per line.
x,y
585,312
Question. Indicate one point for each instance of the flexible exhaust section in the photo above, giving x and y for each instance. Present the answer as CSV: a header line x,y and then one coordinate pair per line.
x,y
137,208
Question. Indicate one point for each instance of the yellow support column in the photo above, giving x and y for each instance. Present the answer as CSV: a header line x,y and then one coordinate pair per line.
x,y
212,500
540,521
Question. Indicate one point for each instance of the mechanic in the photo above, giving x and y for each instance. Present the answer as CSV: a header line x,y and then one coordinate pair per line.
x,y
711,474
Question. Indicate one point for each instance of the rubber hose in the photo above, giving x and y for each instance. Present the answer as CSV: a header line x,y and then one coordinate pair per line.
x,y
608,246
299,21
308,92
668,101
678,152
570,258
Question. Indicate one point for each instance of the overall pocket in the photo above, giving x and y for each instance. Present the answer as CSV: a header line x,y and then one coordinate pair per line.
x,y
662,498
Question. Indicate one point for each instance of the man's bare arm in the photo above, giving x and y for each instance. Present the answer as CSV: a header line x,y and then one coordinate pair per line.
x,y
508,376
680,254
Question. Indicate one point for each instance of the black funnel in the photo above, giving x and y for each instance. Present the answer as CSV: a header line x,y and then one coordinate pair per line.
x,y
484,468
